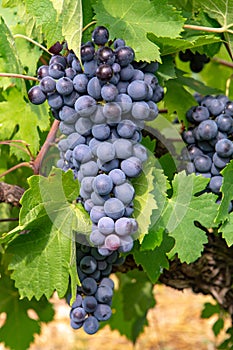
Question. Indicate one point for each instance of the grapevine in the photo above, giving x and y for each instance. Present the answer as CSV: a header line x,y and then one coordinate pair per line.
x,y
116,150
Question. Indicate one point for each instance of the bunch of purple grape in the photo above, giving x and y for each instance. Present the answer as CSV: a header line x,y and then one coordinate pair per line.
x,y
196,60
209,139
102,103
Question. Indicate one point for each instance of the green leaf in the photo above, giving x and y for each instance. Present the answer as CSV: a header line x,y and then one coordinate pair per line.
x,y
26,117
218,326
209,310
183,210
9,59
149,143
134,24
222,11
44,257
226,229
17,319
144,201
227,193
72,24
166,69
47,18
135,290
154,261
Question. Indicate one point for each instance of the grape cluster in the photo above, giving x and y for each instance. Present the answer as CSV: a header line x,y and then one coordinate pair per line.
x,y
209,139
196,60
93,301
102,104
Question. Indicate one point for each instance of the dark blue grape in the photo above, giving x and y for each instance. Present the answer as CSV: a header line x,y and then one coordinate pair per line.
x,y
89,285
36,95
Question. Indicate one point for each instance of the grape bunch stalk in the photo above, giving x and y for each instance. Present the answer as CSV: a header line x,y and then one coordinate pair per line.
x,y
209,140
102,104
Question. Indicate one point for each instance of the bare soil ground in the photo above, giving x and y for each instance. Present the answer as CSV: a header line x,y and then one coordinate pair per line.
x,y
174,324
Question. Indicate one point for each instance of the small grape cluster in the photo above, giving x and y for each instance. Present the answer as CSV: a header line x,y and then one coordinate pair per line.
x,y
102,104
209,139
197,60
94,298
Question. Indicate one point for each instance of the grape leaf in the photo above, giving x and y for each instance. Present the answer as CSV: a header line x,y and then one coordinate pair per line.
x,y
226,229
135,290
26,116
72,24
222,11
144,201
227,193
43,257
154,261
183,209
47,18
128,21
9,59
17,317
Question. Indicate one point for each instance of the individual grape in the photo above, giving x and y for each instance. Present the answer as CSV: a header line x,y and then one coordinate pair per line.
x,y
116,68
140,110
82,153
105,55
126,244
77,302
85,105
127,73
102,184
87,182
89,168
138,90
109,92
55,100
112,112
88,205
105,151
215,170
87,52
104,72
64,86
124,55
188,136
125,102
96,213
66,129
202,163
90,68
100,35
56,70
89,303
103,312
75,325
75,139
118,176
69,100
80,82
224,122
194,151
118,43
78,314
215,184
98,117
94,88
70,73
97,238
101,132
93,144
124,192
216,106
83,126
88,264
132,166
126,129
36,95
125,226
112,242
154,111
207,129
158,94
68,115
220,162
123,148
224,148
104,294
43,71
140,152
108,166
185,56
108,281
200,114
47,84
122,87
114,208
102,265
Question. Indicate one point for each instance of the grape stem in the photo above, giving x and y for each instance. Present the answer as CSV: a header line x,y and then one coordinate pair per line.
x,y
88,25
32,41
15,75
209,29
11,142
44,149
17,166
9,219
223,62
228,84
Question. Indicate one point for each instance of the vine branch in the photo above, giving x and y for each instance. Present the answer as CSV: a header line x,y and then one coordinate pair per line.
x,y
10,194
15,75
17,166
208,29
44,149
